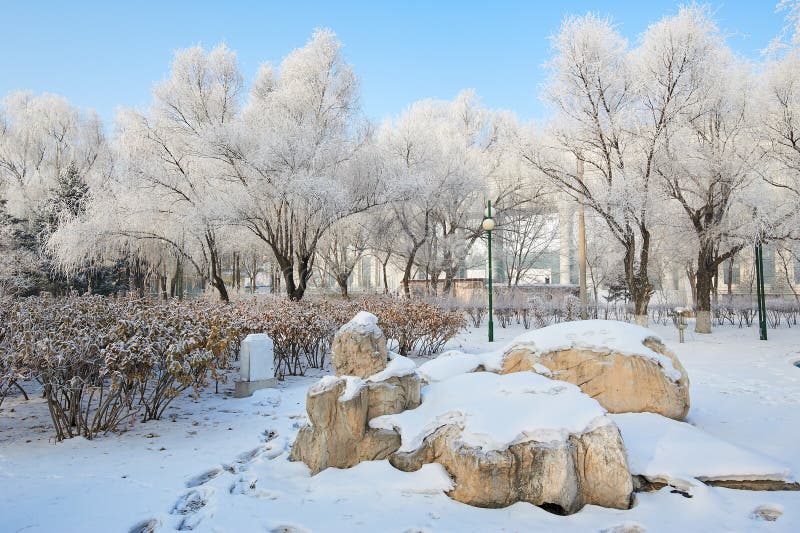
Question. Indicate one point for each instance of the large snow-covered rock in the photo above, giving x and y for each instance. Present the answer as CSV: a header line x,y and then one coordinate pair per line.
x,y
339,409
623,366
359,347
517,437
666,452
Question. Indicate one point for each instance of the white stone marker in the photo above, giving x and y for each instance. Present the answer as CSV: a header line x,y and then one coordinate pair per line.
x,y
257,365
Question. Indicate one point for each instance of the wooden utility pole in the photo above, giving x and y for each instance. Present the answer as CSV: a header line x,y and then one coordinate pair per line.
x,y
582,249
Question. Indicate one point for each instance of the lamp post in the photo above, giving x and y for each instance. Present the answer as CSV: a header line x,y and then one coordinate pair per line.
x,y
488,225
762,308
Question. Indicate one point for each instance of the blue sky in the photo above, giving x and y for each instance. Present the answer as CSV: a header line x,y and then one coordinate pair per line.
x,y
105,54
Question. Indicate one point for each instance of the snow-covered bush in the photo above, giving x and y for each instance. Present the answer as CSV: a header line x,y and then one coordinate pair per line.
x,y
476,313
165,349
414,325
104,361
570,308
60,343
9,367
302,332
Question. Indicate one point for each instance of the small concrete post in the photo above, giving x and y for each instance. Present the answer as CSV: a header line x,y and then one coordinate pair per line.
x,y
257,365
679,319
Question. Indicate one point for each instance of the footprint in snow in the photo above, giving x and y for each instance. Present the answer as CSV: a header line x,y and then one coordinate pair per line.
x,y
145,526
189,506
244,459
203,478
244,485
190,522
287,528
249,457
268,435
192,501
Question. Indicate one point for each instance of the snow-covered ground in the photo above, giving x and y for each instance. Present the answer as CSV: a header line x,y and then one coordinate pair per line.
x,y
220,464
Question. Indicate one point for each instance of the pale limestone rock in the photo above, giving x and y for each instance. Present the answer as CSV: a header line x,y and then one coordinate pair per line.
x,y
622,383
517,437
359,347
560,477
339,410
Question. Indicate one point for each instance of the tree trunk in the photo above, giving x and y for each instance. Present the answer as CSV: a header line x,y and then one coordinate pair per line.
x,y
341,281
637,280
236,273
218,283
288,277
690,275
730,277
174,282
407,277
703,287
449,276
641,299
162,283
409,267
715,291
304,265
385,278
434,283
216,278
706,269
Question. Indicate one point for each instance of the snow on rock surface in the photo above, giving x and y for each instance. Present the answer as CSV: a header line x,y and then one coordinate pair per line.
x,y
597,336
339,408
627,368
449,364
668,451
495,411
454,362
359,347
365,323
511,438
398,366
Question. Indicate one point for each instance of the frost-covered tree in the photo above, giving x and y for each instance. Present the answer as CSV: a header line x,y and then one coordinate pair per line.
x,y
297,162
706,166
523,208
18,264
50,154
613,109
164,202
789,36
440,158
342,247
525,233
780,140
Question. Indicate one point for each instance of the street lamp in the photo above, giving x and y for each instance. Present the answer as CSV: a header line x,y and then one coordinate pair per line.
x,y
488,225
762,307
